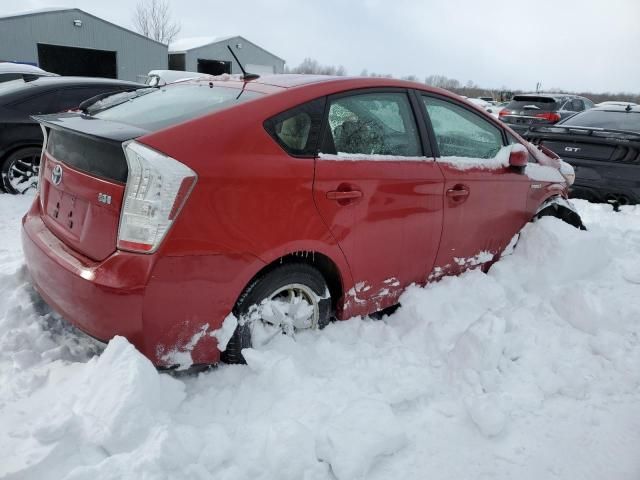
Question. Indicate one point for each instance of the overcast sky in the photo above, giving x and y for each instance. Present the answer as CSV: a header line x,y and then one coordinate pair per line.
x,y
587,45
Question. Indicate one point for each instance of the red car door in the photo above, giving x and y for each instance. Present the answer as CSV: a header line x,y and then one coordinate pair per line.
x,y
379,194
485,200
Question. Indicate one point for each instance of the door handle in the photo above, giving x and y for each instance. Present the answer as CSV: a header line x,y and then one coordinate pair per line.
x,y
344,195
458,192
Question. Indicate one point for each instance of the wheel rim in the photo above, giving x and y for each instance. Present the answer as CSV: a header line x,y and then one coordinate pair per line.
x,y
22,174
292,307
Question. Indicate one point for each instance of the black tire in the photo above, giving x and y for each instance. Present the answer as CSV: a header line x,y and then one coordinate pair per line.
x,y
262,288
25,161
564,214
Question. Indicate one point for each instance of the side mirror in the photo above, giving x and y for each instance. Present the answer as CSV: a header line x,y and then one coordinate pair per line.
x,y
519,156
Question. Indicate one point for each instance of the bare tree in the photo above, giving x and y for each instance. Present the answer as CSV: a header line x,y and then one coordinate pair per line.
x,y
311,66
442,82
152,18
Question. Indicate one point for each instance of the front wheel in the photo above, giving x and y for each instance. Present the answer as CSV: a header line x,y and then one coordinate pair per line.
x,y
566,215
20,170
286,300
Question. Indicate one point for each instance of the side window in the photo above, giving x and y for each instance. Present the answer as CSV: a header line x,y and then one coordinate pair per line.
x,y
37,104
6,77
460,132
379,123
574,105
297,130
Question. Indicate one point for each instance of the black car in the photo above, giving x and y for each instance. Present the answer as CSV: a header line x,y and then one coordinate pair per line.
x,y
603,145
531,109
21,137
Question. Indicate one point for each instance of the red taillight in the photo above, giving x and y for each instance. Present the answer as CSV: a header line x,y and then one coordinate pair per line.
x,y
184,190
553,117
503,113
157,188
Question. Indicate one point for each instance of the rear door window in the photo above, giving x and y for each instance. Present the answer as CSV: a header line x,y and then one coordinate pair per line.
x,y
378,123
578,105
460,132
574,105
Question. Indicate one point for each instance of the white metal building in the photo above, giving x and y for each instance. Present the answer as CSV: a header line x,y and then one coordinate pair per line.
x,y
70,41
210,55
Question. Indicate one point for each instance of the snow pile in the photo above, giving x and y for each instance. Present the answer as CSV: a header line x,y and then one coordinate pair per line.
x,y
530,371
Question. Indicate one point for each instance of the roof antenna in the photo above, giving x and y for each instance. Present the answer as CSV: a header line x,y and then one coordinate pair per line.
x,y
628,108
245,76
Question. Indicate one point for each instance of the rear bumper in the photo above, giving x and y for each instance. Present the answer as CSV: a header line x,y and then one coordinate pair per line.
x,y
86,293
159,303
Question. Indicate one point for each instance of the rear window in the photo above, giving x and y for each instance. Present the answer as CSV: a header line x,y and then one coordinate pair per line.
x,y
521,102
605,119
174,104
100,158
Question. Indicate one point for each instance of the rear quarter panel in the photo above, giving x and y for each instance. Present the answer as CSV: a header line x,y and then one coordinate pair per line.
x,y
251,198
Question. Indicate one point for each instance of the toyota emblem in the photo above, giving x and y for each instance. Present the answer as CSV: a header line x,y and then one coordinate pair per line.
x,y
56,175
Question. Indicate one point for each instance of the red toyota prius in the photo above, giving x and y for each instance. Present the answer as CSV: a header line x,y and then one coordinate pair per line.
x,y
185,217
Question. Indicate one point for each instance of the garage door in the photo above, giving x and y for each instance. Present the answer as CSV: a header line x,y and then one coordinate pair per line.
x,y
83,62
213,67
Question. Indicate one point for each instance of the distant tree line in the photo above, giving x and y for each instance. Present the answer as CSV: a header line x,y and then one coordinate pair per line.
x,y
310,66
468,89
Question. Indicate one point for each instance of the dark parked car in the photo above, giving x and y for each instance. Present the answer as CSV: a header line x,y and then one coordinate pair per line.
x,y
603,145
21,136
533,109
15,71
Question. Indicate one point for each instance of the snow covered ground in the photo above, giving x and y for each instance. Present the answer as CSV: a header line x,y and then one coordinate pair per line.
x,y
531,371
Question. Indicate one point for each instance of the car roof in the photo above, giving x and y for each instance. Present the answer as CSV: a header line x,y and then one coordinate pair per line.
x,y
618,108
21,68
548,95
67,81
280,82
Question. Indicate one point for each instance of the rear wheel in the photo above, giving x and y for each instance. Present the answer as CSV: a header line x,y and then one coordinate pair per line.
x,y
286,300
20,170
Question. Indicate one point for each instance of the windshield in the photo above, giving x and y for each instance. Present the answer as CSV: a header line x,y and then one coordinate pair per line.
x,y
629,121
156,108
